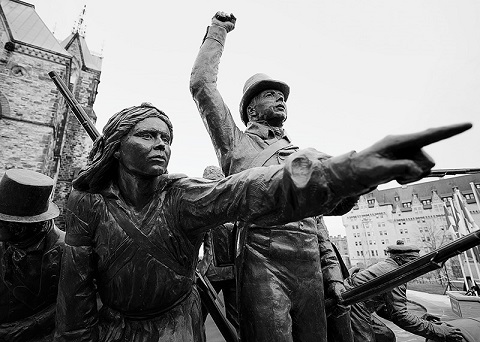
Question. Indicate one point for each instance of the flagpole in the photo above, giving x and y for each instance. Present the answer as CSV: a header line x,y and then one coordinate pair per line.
x,y
464,213
454,211
454,236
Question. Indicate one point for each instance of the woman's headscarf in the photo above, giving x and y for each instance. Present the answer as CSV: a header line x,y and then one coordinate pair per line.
x,y
101,164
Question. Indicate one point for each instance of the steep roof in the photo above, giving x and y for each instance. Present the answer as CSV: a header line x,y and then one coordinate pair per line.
x,y
25,26
90,60
443,187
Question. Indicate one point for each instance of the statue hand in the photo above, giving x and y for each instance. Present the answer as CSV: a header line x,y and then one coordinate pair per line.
x,y
400,157
222,19
454,335
335,290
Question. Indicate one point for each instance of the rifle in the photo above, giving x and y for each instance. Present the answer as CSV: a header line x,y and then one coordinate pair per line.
x,y
207,293
409,271
75,106
444,172
209,298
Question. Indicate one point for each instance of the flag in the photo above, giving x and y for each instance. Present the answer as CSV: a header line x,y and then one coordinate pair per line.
x,y
459,218
471,225
450,221
466,221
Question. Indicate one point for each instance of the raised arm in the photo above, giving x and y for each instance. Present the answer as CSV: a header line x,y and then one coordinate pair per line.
x,y
76,318
203,85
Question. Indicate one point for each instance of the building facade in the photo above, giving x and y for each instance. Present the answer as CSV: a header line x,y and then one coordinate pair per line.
x,y
342,246
37,130
413,213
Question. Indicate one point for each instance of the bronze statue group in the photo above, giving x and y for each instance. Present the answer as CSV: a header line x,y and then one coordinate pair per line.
x,y
125,269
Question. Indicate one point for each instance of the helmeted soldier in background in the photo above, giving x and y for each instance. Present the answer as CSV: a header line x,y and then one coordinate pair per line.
x,y
30,253
392,305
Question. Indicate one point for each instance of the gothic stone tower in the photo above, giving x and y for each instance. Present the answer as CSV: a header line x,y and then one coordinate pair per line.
x,y
37,130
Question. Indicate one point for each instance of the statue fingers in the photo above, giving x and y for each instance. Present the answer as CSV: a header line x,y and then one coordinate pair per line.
x,y
426,137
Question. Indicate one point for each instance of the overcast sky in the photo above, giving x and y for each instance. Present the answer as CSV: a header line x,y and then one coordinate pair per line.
x,y
358,70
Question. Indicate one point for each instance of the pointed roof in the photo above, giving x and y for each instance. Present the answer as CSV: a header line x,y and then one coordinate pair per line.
x,y
24,26
89,60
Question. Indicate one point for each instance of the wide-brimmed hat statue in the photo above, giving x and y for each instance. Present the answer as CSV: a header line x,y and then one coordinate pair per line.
x,y
256,84
25,197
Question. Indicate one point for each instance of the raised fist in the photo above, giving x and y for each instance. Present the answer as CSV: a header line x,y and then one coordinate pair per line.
x,y
222,19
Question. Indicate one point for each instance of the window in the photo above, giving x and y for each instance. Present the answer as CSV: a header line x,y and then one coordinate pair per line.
x,y
356,243
397,198
426,202
381,233
358,253
401,231
361,252
383,242
469,196
477,186
370,242
385,252
368,233
359,243
371,202
385,232
376,252
373,253
407,204
405,230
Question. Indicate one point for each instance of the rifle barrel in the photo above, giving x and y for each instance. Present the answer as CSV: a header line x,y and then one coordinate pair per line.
x,y
76,108
445,172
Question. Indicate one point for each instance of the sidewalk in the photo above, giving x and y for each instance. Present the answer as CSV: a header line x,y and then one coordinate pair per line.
x,y
438,305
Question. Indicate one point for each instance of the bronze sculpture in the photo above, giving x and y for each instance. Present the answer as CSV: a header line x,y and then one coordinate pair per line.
x,y
265,267
133,230
30,252
392,305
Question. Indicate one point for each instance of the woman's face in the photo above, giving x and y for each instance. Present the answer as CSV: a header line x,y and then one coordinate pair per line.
x,y
145,151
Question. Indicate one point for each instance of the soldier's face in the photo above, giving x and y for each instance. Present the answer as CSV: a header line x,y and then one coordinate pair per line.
x,y
145,151
270,106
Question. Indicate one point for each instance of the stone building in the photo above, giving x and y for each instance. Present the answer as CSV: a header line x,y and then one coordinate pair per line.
x,y
413,213
342,245
37,130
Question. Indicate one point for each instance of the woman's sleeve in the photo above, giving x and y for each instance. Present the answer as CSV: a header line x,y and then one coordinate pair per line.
x,y
76,318
306,185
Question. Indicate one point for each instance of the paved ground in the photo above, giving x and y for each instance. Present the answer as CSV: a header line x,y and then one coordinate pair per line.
x,y
438,305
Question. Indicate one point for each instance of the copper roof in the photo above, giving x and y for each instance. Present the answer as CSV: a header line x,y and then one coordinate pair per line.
x,y
25,26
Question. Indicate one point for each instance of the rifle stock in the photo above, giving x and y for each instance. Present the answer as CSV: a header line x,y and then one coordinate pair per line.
x,y
77,110
415,268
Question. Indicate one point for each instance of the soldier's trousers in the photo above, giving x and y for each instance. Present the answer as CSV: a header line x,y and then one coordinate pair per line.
x,y
281,296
